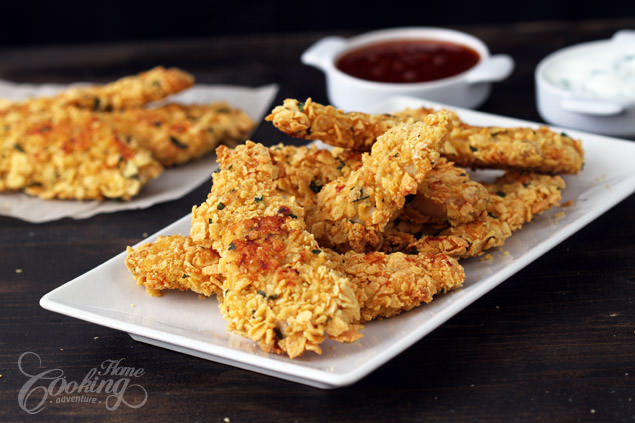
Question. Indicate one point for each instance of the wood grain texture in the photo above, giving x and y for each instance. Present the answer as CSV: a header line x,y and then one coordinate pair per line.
x,y
555,342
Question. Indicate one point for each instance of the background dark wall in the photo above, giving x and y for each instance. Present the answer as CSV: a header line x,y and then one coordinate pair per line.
x,y
31,22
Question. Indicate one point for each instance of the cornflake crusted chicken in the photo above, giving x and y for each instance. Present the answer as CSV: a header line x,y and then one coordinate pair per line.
x,y
175,262
391,224
541,150
176,133
67,153
353,210
279,289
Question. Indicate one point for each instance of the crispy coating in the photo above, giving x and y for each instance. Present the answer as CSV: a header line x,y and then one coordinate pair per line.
x,y
175,262
126,93
515,198
447,194
389,284
314,121
279,289
352,211
539,150
385,284
303,171
69,154
176,133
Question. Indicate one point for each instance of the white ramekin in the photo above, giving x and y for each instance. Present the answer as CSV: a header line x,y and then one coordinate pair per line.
x,y
609,116
468,89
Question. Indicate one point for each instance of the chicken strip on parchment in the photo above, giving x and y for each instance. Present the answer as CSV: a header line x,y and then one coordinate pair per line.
x,y
126,93
69,154
352,211
540,150
175,262
280,290
176,133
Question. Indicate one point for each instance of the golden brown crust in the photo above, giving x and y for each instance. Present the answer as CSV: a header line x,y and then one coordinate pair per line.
x,y
176,133
352,211
175,262
541,150
70,154
279,289
389,284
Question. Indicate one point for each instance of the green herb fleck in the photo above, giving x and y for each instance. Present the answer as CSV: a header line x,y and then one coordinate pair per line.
x,y
220,206
315,186
301,105
361,198
259,198
473,148
96,103
18,147
185,275
500,193
261,292
231,246
493,216
316,251
209,220
293,216
278,333
177,143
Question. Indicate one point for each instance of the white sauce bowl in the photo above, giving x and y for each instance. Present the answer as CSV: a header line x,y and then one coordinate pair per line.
x,y
468,89
590,86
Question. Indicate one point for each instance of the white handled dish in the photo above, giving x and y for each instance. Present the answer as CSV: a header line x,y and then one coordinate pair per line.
x,y
590,86
467,89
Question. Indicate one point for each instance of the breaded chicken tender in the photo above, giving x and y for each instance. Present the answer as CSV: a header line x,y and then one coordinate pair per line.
x,y
176,133
175,262
446,194
541,150
389,284
126,93
515,198
313,121
69,154
385,284
280,290
352,211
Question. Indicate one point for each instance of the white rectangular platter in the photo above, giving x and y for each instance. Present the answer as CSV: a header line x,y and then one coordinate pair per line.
x,y
109,296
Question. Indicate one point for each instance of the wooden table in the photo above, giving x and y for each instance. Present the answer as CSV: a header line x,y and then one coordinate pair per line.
x,y
555,342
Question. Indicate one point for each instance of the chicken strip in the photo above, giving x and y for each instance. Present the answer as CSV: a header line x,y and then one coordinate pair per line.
x,y
389,284
352,211
515,198
313,121
176,133
126,93
279,289
68,154
175,262
540,150
303,171
385,284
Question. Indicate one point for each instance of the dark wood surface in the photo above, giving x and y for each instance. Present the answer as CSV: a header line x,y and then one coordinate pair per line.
x,y
554,343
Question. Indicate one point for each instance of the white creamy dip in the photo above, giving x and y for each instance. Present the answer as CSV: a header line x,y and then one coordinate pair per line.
x,y
602,71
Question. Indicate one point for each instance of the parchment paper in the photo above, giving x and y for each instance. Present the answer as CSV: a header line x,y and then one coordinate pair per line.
x,y
173,183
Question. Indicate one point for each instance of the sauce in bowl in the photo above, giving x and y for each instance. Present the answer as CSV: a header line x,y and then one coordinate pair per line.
x,y
408,61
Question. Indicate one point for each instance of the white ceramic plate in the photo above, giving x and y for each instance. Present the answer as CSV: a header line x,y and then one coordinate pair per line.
x,y
109,296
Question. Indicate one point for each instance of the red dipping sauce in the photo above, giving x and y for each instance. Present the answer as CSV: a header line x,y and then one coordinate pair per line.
x,y
408,61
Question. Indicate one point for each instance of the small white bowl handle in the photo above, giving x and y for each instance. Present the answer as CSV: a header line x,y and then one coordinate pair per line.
x,y
625,35
322,52
588,107
495,68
